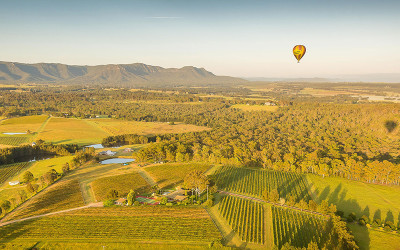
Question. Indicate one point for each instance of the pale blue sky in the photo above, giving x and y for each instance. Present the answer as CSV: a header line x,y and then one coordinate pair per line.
x,y
239,38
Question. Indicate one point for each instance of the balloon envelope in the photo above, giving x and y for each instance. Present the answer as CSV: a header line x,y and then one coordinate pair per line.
x,y
299,51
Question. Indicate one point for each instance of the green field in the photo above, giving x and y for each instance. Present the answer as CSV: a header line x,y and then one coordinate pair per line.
x,y
298,228
8,171
374,239
245,217
253,182
375,201
59,196
39,168
172,174
70,130
144,223
122,183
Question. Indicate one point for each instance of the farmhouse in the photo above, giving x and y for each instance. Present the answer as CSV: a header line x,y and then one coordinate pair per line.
x,y
120,201
108,152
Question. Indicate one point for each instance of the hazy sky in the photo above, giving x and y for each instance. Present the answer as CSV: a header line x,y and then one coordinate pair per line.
x,y
239,38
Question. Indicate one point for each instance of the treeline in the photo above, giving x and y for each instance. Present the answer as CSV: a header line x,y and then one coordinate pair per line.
x,y
119,140
25,152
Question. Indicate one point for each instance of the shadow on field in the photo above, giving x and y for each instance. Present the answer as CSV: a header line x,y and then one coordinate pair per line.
x,y
13,231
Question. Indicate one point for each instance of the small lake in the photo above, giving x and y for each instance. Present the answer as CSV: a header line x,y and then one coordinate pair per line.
x,y
117,160
96,146
9,133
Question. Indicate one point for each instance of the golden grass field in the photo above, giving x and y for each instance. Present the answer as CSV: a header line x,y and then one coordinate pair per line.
x,y
22,124
71,130
118,127
122,183
84,131
246,107
374,239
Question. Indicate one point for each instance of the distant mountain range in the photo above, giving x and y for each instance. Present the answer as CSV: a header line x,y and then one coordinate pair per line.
x,y
136,74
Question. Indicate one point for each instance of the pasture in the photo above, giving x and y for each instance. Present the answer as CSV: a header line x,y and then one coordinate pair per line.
x,y
145,223
374,201
71,130
118,127
246,107
374,239
254,181
122,183
172,174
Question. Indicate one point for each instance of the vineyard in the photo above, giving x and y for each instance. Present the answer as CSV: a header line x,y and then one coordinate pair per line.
x,y
8,171
252,182
245,217
122,183
159,224
14,140
59,196
298,228
171,174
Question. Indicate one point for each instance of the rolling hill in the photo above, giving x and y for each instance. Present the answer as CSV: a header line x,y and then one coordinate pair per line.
x,y
136,74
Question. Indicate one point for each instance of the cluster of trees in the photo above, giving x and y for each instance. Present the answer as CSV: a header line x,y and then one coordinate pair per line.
x,y
350,141
119,140
26,152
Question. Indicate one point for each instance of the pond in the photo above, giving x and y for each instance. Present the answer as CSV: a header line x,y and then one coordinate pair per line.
x,y
96,146
117,160
10,133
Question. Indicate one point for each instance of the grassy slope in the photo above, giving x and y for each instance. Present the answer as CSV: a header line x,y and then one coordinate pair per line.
x,y
122,183
361,198
171,174
59,196
373,239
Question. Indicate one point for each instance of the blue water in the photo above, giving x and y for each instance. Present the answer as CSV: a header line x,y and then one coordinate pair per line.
x,y
117,160
95,146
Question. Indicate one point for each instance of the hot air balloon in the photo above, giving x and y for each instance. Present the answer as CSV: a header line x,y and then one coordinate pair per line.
x,y
299,51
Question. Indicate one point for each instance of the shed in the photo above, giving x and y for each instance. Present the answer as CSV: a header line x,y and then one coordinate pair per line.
x,y
13,183
180,197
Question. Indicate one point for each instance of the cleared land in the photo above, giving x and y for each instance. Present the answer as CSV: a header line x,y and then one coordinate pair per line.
x,y
172,174
23,124
253,182
374,201
144,223
373,239
59,196
70,130
122,183
246,107
118,127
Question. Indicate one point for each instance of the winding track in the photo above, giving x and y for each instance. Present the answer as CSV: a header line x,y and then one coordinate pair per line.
x,y
98,204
